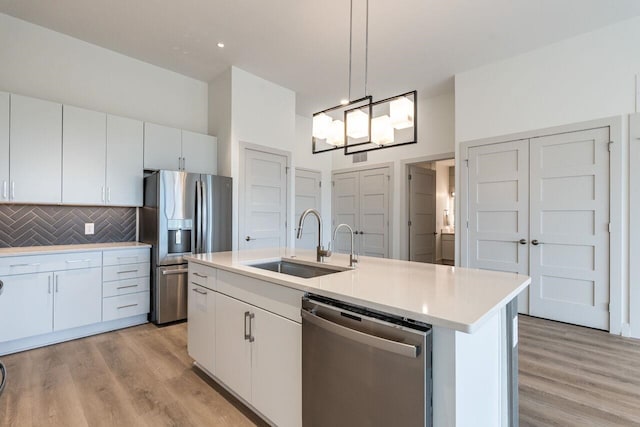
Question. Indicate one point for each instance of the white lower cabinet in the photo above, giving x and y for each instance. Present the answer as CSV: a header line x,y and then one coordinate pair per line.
x,y
276,368
201,327
26,306
233,346
78,298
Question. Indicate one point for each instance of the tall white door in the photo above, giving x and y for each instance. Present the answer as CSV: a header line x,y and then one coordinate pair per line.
x,y
499,209
36,150
308,196
569,227
345,208
84,141
422,214
264,211
374,212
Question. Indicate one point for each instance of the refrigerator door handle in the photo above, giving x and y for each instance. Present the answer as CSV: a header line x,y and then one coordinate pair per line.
x,y
204,231
198,226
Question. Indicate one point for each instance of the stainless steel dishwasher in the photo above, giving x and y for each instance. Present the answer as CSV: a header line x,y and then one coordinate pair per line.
x,y
363,368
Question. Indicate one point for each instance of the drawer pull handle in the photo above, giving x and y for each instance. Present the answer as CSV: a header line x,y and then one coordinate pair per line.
x,y
127,271
127,306
199,291
78,260
125,287
25,265
128,257
200,275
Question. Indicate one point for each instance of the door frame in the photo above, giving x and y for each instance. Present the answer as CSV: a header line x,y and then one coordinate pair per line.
x,y
293,206
616,207
244,146
391,181
404,196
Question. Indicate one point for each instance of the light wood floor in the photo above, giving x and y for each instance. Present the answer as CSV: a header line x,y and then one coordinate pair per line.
x,y
142,376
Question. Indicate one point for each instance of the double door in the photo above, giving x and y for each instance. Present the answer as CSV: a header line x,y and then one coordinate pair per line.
x,y
361,200
540,207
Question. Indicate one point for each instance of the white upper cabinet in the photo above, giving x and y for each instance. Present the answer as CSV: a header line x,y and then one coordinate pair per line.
x,y
4,146
162,147
199,153
124,181
36,150
174,149
84,138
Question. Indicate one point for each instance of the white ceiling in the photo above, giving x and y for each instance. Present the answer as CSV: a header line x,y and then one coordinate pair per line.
x,y
303,44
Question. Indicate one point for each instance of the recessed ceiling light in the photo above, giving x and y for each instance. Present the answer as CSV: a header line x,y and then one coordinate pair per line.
x,y
344,101
220,44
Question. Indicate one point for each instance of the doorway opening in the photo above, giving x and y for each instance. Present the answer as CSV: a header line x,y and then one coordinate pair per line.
x,y
431,201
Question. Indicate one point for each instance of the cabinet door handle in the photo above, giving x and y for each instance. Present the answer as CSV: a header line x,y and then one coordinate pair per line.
x,y
248,335
109,194
126,287
13,190
127,306
251,317
49,284
5,190
196,290
103,193
56,283
200,275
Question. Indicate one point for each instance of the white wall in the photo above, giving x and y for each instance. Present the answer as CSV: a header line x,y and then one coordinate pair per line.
x,y
45,64
246,108
587,77
435,141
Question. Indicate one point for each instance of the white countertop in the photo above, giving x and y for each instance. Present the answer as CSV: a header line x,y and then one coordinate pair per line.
x,y
42,250
451,297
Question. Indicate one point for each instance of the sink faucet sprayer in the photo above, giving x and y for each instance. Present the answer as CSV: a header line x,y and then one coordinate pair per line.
x,y
321,253
353,258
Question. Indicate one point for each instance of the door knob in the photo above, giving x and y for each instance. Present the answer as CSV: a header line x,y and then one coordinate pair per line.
x,y
1,286
248,238
535,243
523,241
435,233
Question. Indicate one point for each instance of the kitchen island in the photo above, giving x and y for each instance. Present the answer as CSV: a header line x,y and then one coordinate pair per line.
x,y
473,336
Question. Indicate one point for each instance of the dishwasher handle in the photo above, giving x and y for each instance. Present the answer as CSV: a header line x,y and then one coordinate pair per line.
x,y
402,349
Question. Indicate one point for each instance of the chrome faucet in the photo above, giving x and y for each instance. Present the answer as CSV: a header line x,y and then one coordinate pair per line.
x,y
321,252
353,258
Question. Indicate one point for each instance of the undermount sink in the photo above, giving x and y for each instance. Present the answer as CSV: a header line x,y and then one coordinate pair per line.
x,y
298,269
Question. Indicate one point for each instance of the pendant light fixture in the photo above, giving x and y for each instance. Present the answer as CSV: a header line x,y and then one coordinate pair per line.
x,y
363,125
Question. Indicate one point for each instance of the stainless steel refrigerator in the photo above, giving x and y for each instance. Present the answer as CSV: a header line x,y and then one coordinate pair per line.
x,y
184,213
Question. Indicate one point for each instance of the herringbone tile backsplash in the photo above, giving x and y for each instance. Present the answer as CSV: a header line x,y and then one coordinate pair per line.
x,y
34,225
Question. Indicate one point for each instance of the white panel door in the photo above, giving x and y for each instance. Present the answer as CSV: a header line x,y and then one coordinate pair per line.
x,y
345,209
162,147
499,209
265,200
84,140
308,196
78,298
277,368
199,153
4,146
422,215
374,212
125,154
36,150
233,348
569,227
201,326
26,306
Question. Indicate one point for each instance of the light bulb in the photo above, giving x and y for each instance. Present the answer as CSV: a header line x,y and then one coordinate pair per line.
x,y
381,130
321,123
335,135
357,124
401,112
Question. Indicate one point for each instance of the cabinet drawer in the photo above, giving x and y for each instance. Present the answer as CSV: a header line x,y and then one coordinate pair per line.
x,y
125,306
124,287
127,256
127,271
277,299
55,262
202,275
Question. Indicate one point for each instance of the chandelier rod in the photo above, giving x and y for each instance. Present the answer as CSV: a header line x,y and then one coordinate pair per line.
x,y
366,51
350,44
